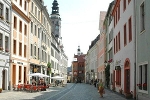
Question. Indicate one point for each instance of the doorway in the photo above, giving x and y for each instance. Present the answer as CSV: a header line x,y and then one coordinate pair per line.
x,y
127,76
4,79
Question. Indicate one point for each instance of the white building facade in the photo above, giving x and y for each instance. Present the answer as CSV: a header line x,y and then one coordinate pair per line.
x,y
124,46
5,33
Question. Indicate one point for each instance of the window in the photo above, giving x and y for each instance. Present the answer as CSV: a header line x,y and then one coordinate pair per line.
x,y
38,53
31,50
20,49
25,29
25,5
32,7
45,57
38,32
118,77
20,26
143,77
20,2
15,22
20,70
119,12
110,54
6,43
116,18
52,52
38,15
35,11
42,35
110,35
52,63
14,46
25,49
31,27
114,46
35,30
130,29
7,14
119,40
124,5
116,43
125,35
45,38
34,50
142,17
1,10
1,40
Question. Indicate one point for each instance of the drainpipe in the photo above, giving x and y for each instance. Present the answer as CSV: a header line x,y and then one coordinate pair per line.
x,y
10,39
135,70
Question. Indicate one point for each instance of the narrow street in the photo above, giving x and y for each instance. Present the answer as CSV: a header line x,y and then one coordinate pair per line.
x,y
79,91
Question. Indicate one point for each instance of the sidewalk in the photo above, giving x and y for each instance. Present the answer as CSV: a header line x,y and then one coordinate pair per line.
x,y
118,94
23,95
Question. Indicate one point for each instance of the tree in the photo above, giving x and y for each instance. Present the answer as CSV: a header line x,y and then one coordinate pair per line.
x,y
107,74
49,68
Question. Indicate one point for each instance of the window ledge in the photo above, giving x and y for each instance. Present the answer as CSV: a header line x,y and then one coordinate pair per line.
x,y
143,91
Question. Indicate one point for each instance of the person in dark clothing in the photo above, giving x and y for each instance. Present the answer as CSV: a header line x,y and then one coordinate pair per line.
x,y
95,82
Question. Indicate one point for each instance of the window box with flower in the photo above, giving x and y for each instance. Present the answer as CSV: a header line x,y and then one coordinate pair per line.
x,y
6,50
1,48
145,86
140,86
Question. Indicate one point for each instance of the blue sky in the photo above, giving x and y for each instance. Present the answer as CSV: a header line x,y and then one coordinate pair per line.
x,y
80,22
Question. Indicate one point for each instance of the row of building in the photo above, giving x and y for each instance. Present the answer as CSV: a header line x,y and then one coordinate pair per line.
x,y
120,55
30,39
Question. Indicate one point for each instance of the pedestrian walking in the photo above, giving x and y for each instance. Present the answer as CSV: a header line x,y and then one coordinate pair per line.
x,y
101,88
95,81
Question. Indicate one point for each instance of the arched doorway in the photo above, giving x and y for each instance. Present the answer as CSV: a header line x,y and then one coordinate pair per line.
x,y
4,79
127,76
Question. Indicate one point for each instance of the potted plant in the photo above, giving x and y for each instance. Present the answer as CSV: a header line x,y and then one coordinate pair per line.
x,y
1,17
1,90
6,50
120,90
113,88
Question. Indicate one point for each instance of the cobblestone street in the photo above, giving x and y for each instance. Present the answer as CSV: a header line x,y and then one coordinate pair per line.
x,y
72,91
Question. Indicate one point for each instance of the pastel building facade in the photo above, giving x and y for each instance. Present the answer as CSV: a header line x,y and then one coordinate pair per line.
x,y
5,35
101,48
40,37
108,23
19,42
124,46
142,49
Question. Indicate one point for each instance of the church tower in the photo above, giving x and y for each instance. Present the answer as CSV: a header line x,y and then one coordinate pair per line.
x,y
56,21
78,51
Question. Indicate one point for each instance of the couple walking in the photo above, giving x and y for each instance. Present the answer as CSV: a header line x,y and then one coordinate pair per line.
x,y
101,88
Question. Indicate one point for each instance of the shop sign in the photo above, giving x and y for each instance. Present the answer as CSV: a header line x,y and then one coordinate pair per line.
x,y
20,63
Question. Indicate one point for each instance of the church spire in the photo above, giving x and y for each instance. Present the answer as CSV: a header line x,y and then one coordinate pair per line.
x,y
55,8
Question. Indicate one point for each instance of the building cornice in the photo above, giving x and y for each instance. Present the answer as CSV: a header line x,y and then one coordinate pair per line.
x,y
15,8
